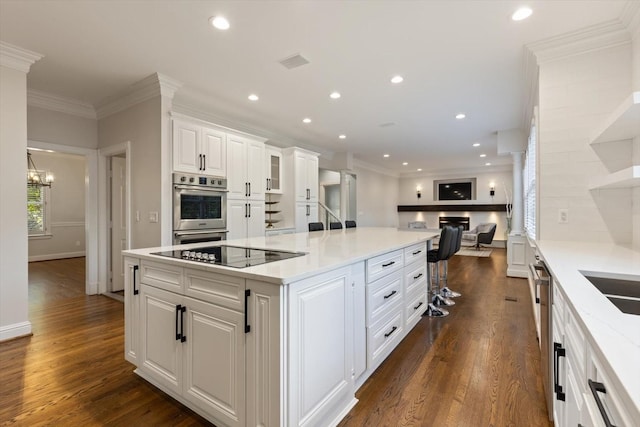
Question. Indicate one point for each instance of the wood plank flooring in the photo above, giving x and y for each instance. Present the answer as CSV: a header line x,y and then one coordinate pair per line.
x,y
477,367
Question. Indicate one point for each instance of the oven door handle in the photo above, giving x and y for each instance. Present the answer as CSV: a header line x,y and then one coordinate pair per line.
x,y
199,189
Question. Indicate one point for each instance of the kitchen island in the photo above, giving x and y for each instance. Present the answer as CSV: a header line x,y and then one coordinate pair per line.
x,y
284,343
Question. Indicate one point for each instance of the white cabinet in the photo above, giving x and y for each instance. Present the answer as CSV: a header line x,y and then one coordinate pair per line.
x,y
198,149
273,169
245,164
131,308
304,214
245,218
305,176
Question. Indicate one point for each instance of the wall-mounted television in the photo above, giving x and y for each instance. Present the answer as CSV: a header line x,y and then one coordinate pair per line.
x,y
454,189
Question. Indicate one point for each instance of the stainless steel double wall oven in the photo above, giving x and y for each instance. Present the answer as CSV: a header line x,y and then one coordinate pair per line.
x,y
199,208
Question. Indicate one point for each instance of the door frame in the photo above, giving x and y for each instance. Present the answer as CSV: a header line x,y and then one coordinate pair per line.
x,y
91,212
104,155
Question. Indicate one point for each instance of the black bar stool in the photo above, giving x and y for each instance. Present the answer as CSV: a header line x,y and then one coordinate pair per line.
x,y
434,256
445,291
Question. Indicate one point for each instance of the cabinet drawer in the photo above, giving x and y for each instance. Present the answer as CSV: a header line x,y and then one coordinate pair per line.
x,y
416,305
575,343
558,305
415,277
415,252
382,339
383,296
163,276
227,291
384,264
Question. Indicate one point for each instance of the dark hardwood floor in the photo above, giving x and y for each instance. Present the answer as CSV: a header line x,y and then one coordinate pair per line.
x,y
477,367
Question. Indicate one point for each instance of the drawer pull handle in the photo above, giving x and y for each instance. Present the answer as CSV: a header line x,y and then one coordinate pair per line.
x,y
388,334
388,264
595,388
390,295
417,277
558,352
135,273
416,252
247,326
183,337
178,315
418,306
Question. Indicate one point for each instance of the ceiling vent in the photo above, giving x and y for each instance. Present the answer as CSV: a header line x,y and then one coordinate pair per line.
x,y
386,125
294,61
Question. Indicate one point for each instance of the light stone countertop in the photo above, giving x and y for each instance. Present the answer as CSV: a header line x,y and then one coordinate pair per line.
x,y
614,335
326,251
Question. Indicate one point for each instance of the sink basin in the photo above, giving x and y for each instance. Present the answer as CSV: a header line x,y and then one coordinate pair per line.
x,y
623,291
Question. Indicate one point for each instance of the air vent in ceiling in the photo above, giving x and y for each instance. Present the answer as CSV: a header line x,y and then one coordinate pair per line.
x,y
386,125
294,61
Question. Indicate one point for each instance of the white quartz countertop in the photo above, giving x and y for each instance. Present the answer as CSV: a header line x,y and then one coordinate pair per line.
x,y
614,334
325,251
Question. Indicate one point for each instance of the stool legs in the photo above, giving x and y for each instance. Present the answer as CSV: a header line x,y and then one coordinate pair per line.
x,y
438,298
445,291
432,310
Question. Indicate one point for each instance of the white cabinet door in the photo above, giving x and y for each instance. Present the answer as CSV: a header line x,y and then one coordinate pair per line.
x,y
255,221
214,149
161,347
300,176
215,339
236,168
255,169
132,309
312,178
273,171
237,211
320,347
186,146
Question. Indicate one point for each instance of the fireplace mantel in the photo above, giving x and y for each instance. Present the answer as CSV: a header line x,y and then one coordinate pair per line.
x,y
453,208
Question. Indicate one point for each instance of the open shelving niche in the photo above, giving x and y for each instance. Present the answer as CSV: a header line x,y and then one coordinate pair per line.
x,y
623,124
270,210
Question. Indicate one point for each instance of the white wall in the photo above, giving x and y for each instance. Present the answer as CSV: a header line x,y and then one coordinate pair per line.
x,y
67,204
13,201
142,125
377,197
61,128
500,178
576,94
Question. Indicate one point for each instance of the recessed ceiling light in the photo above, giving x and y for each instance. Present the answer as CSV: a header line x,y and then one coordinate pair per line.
x,y
342,136
477,144
419,169
253,97
460,116
487,164
483,155
219,22
306,120
334,95
385,155
397,79
404,163
522,13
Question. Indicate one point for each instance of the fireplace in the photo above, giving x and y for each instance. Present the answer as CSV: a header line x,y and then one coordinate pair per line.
x,y
454,221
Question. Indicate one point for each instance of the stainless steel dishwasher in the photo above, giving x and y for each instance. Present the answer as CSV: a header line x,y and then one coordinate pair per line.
x,y
544,283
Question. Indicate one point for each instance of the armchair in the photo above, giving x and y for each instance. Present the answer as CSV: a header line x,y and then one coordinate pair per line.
x,y
482,234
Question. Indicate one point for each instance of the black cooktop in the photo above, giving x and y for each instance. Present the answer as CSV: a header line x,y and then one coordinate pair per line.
x,y
230,256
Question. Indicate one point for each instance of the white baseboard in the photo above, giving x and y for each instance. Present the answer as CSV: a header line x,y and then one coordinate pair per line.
x,y
15,330
61,255
518,272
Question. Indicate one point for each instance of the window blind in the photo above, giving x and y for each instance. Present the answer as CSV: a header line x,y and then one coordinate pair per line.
x,y
529,182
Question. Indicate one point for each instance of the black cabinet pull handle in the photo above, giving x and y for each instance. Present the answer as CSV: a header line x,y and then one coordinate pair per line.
x,y
178,314
135,273
388,264
246,210
204,162
388,334
418,306
246,189
249,211
183,337
595,388
417,277
390,295
247,327
249,193
558,352
416,252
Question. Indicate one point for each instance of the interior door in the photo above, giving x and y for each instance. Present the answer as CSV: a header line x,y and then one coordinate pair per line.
x,y
118,221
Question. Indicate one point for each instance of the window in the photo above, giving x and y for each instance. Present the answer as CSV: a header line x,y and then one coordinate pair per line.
x,y
529,182
37,210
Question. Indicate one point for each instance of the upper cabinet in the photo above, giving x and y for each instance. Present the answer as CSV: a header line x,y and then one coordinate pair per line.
x,y
305,175
245,161
273,169
199,149
613,141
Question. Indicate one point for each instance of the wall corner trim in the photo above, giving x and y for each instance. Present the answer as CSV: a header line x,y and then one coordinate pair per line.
x,y
15,57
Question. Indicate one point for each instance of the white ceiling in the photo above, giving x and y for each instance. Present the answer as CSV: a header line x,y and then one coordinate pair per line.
x,y
455,56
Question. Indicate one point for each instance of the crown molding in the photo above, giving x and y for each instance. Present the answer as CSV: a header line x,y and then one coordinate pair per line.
x,y
456,173
612,33
48,101
150,87
17,58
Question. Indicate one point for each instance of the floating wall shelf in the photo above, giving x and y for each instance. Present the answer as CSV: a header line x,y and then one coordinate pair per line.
x,y
452,208
626,178
623,123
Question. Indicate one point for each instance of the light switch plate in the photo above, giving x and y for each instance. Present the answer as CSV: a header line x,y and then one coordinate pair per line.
x,y
563,216
153,216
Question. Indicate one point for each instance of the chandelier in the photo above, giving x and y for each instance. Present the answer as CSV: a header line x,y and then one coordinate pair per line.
x,y
35,177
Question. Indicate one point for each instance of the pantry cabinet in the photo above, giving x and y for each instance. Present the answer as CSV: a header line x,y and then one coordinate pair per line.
x,y
300,188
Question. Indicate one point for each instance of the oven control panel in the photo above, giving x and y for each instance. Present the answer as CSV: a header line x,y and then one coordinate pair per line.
x,y
200,181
